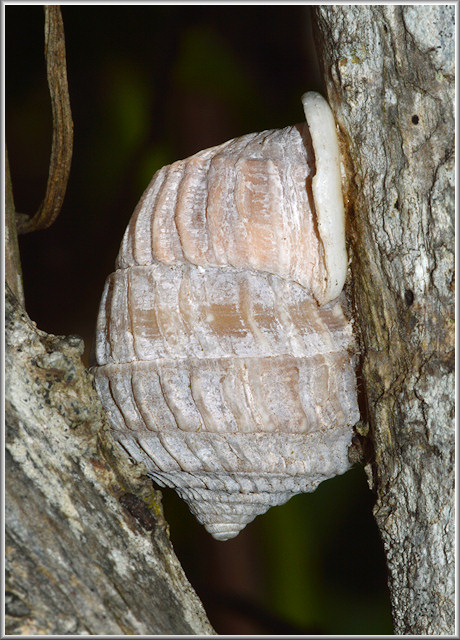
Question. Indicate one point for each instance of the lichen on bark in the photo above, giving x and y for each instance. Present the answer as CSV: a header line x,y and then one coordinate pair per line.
x,y
87,547
389,72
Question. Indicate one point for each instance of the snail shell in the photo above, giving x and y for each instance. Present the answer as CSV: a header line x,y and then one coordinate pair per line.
x,y
224,357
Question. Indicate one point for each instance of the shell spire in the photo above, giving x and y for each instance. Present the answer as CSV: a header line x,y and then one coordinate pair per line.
x,y
220,365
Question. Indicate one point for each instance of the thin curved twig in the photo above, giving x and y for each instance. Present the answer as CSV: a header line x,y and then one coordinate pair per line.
x,y
61,149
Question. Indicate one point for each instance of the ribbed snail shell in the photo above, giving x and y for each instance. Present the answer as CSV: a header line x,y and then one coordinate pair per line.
x,y
224,357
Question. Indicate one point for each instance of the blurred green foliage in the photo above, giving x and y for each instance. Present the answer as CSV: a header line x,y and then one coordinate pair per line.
x,y
326,558
206,64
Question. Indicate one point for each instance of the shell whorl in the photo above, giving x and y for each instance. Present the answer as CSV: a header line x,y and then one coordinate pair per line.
x,y
216,364
221,207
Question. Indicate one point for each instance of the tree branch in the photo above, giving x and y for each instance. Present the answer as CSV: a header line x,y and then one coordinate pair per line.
x,y
13,272
61,149
389,72
87,547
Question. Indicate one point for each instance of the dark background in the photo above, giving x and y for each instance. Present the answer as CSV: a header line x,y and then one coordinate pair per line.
x,y
150,85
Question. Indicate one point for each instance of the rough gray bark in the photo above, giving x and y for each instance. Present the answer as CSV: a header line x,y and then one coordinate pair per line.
x,y
13,275
87,548
389,73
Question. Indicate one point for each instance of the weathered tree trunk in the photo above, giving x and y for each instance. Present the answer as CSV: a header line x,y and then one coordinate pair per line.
x,y
86,545
389,72
87,548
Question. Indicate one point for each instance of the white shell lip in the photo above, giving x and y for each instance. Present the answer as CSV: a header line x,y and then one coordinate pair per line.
x,y
327,192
